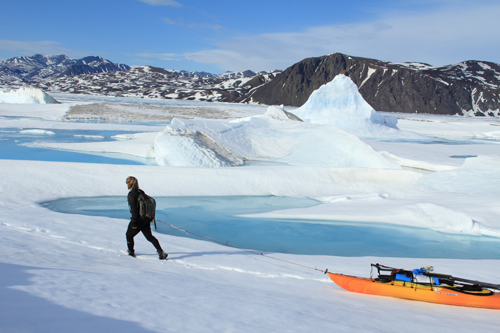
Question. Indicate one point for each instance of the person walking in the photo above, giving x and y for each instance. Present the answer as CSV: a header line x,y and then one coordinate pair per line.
x,y
138,224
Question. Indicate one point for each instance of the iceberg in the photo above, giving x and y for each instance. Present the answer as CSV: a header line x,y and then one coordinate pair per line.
x,y
339,103
26,95
276,136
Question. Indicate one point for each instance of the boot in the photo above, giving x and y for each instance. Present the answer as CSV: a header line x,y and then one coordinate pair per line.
x,y
162,255
131,253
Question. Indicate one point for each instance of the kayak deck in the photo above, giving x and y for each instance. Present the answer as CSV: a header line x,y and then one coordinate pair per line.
x,y
418,291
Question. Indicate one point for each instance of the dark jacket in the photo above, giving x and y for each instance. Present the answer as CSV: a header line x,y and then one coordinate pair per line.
x,y
133,203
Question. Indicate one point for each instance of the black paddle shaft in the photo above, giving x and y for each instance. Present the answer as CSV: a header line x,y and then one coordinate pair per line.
x,y
460,280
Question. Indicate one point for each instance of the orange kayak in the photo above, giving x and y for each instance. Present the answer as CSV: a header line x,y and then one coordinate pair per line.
x,y
484,298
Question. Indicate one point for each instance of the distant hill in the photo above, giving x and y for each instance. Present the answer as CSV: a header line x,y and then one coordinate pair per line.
x,y
192,73
470,87
154,82
40,67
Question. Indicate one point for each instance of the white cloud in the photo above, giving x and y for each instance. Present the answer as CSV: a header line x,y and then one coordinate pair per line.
x,y
161,56
443,37
40,47
181,23
171,3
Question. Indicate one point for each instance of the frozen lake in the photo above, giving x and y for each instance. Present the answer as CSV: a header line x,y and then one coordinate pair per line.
x,y
219,218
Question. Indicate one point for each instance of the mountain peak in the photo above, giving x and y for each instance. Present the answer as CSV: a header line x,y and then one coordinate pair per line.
x,y
468,88
38,67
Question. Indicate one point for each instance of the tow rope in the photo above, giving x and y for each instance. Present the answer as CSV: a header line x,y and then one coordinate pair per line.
x,y
239,248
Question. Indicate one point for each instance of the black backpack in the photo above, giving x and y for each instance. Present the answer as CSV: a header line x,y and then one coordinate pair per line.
x,y
147,207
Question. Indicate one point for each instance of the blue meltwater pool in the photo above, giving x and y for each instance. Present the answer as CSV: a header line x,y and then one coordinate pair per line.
x,y
219,218
17,144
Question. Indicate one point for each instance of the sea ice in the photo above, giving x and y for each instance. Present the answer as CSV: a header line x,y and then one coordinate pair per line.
x,y
37,132
477,175
76,280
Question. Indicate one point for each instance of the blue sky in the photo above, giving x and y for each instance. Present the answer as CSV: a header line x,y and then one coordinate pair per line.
x,y
218,36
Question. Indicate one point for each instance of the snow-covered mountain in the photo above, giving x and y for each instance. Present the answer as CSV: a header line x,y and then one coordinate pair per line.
x,y
467,88
98,76
237,75
39,67
154,82
191,73
223,76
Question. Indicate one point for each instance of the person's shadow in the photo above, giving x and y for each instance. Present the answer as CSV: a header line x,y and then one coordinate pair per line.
x,y
22,312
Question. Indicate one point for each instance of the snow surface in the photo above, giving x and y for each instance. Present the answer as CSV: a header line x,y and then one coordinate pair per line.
x,y
26,95
69,273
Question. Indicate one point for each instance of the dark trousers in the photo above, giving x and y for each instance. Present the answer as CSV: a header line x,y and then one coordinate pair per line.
x,y
145,228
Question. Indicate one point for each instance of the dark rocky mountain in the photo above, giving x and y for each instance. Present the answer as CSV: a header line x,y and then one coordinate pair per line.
x,y
470,87
40,67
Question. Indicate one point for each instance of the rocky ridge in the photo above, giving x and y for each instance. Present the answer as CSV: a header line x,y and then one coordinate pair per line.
x,y
467,88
